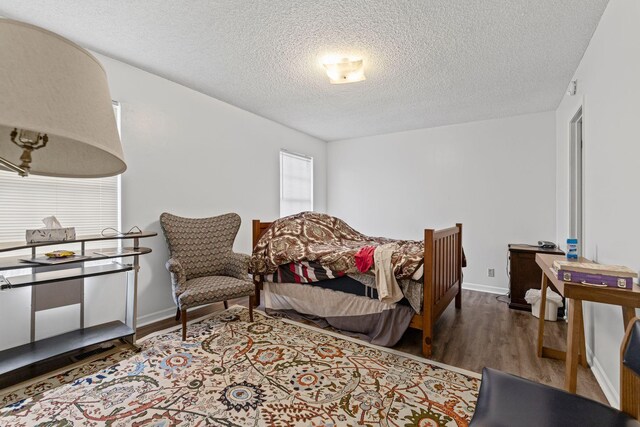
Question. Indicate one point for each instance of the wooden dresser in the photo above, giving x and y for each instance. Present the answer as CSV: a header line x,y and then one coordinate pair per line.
x,y
524,273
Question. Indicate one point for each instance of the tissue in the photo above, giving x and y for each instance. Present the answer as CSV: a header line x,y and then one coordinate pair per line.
x,y
53,231
51,222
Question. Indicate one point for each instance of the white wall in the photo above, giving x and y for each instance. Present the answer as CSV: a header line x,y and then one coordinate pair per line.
x,y
497,177
192,155
609,91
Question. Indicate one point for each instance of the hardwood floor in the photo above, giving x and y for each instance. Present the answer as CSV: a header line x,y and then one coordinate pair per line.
x,y
484,333
487,333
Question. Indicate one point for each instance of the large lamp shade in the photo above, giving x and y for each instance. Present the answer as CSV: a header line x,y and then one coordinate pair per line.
x,y
51,86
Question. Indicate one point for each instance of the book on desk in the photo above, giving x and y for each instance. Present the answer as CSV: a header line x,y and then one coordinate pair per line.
x,y
615,276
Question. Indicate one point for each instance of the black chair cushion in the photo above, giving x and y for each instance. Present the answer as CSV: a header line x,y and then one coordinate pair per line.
x,y
507,400
631,357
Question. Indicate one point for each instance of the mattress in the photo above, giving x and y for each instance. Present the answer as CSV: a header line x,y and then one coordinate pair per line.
x,y
377,322
313,273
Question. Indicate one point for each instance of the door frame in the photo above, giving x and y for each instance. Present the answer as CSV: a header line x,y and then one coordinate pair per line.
x,y
576,178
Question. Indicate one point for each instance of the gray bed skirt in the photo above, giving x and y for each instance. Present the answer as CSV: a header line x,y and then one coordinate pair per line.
x,y
377,322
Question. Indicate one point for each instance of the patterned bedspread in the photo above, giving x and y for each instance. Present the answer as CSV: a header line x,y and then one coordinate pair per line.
x,y
312,236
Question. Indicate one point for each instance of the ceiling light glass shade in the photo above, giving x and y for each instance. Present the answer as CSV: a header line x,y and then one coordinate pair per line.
x,y
345,71
53,91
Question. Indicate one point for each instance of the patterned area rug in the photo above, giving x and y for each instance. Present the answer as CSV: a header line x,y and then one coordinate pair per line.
x,y
273,373
66,375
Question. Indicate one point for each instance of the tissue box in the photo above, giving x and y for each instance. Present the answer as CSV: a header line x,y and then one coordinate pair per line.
x,y
51,234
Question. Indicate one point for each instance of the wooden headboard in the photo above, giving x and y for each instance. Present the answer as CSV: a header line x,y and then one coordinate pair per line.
x,y
258,230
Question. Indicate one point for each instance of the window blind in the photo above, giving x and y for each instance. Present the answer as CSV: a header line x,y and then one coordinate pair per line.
x,y
89,205
296,183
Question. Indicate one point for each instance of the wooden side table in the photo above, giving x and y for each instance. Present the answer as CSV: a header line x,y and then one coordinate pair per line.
x,y
627,299
524,274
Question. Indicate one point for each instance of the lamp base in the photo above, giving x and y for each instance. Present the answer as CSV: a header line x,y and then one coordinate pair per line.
x,y
28,141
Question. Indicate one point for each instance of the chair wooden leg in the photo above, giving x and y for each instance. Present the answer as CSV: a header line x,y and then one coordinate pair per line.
x,y
177,314
226,305
256,298
251,298
184,325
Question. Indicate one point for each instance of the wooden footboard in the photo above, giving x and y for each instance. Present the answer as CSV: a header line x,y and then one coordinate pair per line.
x,y
442,278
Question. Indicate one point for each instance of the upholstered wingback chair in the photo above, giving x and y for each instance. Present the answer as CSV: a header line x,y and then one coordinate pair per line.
x,y
204,269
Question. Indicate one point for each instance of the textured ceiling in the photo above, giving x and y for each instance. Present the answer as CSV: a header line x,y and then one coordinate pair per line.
x,y
428,62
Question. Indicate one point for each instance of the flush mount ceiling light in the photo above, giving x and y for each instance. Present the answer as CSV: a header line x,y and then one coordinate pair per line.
x,y
345,71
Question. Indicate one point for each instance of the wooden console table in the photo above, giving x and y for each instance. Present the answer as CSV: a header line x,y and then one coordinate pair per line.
x,y
62,275
627,299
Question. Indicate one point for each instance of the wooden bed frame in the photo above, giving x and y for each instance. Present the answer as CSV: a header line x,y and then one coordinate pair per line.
x,y
442,277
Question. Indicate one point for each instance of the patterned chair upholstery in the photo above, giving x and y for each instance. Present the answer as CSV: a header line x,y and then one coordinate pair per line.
x,y
204,269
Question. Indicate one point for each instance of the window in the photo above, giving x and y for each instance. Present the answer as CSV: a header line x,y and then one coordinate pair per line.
x,y
89,205
296,183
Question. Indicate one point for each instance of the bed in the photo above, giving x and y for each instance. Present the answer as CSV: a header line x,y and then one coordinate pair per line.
x,y
438,270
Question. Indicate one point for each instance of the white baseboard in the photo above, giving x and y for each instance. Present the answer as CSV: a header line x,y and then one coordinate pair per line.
x,y
156,316
610,392
167,313
485,288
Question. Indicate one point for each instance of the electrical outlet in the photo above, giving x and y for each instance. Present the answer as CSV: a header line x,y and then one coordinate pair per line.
x,y
491,272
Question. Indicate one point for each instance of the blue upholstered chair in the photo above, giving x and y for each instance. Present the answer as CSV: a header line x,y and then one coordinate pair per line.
x,y
507,400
